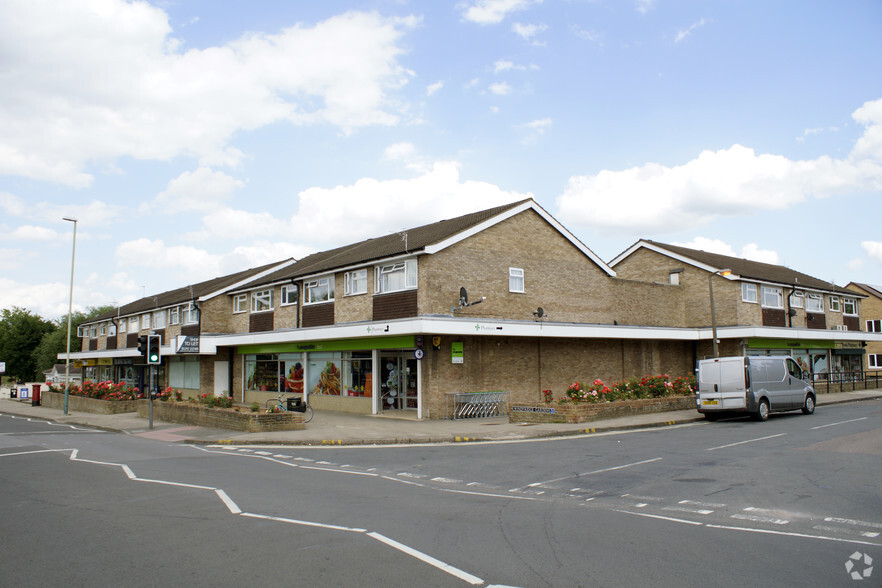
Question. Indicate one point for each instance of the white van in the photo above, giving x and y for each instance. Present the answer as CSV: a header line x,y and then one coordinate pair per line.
x,y
753,385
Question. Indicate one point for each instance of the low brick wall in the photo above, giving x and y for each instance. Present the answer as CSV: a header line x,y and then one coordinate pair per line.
x,y
583,413
221,418
84,404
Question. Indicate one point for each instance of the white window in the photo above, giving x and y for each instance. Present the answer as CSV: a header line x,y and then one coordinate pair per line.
x,y
875,361
849,306
320,290
159,319
262,300
93,332
355,282
111,330
289,295
122,325
145,321
834,304
174,315
814,303
874,326
133,324
396,276
240,303
773,297
189,314
748,292
796,299
515,279
102,329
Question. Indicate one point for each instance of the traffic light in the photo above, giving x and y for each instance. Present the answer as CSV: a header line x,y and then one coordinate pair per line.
x,y
153,354
142,345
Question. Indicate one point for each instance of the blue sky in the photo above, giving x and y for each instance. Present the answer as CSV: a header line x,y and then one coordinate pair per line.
x,y
196,138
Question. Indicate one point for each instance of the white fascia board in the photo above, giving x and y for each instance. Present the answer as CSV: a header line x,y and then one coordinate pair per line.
x,y
801,334
248,280
207,346
432,249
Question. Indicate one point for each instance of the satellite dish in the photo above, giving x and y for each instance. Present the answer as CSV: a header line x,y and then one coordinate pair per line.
x,y
540,312
463,297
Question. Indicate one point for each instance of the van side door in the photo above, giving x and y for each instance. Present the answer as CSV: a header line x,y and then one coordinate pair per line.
x,y
796,383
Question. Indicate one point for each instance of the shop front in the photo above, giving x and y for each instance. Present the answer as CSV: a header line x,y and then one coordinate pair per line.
x,y
824,360
366,376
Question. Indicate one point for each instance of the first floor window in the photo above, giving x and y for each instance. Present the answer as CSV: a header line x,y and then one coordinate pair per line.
x,y
261,300
355,282
174,315
122,325
320,290
748,292
289,295
240,303
396,276
102,330
133,324
189,314
772,297
874,326
849,306
796,299
875,361
145,322
814,303
834,304
159,319
515,279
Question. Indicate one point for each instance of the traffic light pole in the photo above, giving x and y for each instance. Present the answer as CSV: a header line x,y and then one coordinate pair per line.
x,y
150,395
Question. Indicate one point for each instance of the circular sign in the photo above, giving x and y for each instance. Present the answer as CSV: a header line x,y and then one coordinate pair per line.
x,y
419,354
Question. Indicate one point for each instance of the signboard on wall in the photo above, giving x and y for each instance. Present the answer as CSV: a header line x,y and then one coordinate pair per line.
x,y
188,344
456,354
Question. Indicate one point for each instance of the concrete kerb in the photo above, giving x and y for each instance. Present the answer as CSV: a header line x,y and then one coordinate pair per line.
x,y
325,432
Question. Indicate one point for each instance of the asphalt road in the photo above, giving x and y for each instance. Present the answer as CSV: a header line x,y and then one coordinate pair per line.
x,y
792,501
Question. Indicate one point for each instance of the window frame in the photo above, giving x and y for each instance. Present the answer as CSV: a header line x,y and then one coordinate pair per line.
x,y
123,324
134,324
159,319
749,293
846,302
262,300
874,361
174,315
797,299
835,305
240,303
310,287
285,294
352,279
873,326
814,298
513,277
189,314
779,294
146,319
410,270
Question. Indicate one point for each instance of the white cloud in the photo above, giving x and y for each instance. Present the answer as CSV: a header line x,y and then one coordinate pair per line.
x,y
202,189
643,6
873,250
432,88
503,65
399,151
108,80
750,251
588,35
195,264
329,217
535,129
528,31
500,89
32,233
815,131
683,33
724,183
486,12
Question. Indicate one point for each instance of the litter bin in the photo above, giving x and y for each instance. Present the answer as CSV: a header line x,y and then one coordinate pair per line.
x,y
35,395
294,404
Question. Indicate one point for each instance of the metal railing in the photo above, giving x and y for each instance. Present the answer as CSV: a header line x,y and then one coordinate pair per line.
x,y
853,379
476,405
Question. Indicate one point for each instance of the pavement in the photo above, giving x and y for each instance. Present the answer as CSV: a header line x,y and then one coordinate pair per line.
x,y
336,428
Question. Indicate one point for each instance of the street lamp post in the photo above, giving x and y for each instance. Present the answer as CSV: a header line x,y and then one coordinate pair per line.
x,y
710,283
73,255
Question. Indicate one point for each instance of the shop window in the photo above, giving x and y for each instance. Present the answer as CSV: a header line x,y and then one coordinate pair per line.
x,y
355,282
289,295
320,290
772,297
515,279
834,304
796,299
874,326
814,303
240,303
748,293
849,306
324,374
396,276
183,373
263,372
262,300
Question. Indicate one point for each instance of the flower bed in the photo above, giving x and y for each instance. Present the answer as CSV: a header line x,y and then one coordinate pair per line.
x,y
585,412
85,404
202,415
633,389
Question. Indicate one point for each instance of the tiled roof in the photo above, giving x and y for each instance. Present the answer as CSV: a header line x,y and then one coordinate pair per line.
x,y
752,270
870,289
417,239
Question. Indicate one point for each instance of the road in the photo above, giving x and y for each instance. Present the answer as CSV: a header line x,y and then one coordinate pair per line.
x,y
792,501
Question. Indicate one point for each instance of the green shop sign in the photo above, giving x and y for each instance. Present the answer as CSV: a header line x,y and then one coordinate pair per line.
x,y
789,344
366,344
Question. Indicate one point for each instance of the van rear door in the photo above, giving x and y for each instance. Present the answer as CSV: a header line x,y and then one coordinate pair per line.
x,y
721,384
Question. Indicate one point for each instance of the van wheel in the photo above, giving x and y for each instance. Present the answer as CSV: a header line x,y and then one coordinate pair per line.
x,y
809,406
762,411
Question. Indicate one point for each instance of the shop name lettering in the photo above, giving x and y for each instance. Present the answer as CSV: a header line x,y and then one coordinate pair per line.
x,y
479,328
541,409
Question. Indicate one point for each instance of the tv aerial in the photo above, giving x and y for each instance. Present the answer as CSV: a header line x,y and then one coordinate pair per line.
x,y
464,301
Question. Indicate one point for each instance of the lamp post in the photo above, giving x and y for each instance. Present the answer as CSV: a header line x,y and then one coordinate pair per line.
x,y
710,283
73,255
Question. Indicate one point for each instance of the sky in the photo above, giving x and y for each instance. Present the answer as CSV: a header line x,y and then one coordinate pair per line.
x,y
195,138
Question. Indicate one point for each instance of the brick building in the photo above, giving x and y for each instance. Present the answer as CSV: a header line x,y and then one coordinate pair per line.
x,y
502,299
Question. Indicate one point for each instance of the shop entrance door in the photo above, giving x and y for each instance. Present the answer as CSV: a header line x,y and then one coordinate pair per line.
x,y
398,382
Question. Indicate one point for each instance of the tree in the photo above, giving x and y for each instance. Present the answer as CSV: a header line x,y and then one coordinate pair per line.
x,y
20,333
45,355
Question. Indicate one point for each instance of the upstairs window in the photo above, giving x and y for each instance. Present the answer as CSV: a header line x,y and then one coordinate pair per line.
x,y
240,303
773,297
262,300
102,329
834,304
874,326
190,314
320,290
515,279
796,299
133,324
748,292
289,295
396,276
145,322
849,306
159,319
122,325
174,315
355,282
814,303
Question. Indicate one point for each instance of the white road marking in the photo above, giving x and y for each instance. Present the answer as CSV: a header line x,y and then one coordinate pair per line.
x,y
705,504
652,516
760,519
743,442
464,576
839,423
791,534
601,471
854,522
701,511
